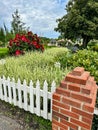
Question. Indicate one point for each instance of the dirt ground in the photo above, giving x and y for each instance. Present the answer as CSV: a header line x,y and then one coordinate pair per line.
x,y
26,120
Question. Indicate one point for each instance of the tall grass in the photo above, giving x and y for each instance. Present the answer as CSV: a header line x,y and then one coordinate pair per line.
x,y
35,66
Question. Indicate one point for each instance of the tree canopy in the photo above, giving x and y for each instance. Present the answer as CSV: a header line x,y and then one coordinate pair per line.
x,y
80,21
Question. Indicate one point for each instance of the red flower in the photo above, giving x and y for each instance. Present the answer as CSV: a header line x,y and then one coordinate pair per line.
x,y
34,43
37,46
18,36
17,52
23,38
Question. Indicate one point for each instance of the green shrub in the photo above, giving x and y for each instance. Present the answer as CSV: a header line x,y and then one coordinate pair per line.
x,y
83,58
95,122
93,45
95,48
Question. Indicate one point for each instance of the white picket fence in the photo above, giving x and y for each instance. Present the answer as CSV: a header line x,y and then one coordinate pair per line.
x,y
30,98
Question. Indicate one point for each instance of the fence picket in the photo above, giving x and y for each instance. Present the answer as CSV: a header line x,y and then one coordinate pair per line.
x,y
4,85
1,91
14,91
45,100
38,98
9,90
31,97
53,88
25,95
19,93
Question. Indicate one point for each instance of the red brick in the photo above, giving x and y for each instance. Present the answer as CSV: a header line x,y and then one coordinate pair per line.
x,y
63,84
91,79
87,120
54,127
55,108
60,125
55,117
62,91
85,75
73,126
56,96
88,108
84,129
82,124
69,113
71,102
75,79
62,129
59,115
81,97
61,105
74,87
82,113
85,91
78,71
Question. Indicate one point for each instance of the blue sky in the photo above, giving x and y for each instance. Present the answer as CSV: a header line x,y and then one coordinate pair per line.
x,y
39,15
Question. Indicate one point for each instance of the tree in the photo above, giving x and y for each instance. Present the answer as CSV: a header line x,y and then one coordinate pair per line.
x,y
2,35
80,21
17,25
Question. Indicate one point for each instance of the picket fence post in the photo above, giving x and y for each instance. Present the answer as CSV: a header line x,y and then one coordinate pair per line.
x,y
31,97
9,90
1,91
45,100
4,86
14,92
19,93
38,98
25,95
53,88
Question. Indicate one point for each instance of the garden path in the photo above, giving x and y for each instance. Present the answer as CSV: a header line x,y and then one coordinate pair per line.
x,y
7,123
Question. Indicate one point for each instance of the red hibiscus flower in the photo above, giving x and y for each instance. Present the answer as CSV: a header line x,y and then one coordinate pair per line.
x,y
17,52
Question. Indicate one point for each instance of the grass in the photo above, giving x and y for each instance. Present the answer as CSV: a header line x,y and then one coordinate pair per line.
x,y
36,66
4,52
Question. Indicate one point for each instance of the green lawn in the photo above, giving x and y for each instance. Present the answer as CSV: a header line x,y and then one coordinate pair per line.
x,y
3,52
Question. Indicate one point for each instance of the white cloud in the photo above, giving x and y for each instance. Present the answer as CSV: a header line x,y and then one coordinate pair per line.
x,y
39,15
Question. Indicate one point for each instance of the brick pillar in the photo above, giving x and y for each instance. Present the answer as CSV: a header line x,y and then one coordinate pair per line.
x,y
74,101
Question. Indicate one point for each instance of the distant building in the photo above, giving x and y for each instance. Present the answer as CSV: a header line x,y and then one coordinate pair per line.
x,y
53,42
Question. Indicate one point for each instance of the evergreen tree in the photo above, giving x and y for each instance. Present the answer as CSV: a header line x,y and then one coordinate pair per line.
x,y
81,20
8,34
2,35
17,25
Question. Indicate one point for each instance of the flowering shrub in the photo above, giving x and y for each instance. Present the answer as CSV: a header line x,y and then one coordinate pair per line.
x,y
24,42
